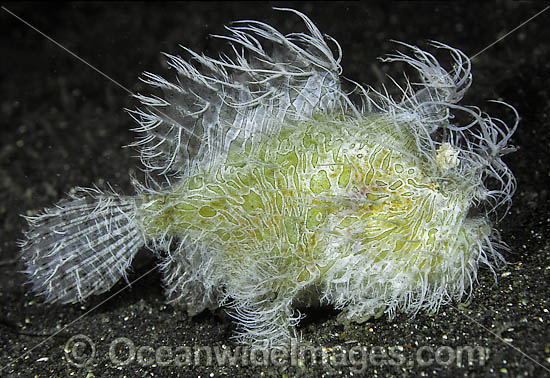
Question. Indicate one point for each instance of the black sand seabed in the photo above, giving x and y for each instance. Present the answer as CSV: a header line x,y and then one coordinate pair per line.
x,y
62,125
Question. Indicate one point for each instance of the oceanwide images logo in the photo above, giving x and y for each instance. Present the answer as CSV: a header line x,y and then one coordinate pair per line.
x,y
81,351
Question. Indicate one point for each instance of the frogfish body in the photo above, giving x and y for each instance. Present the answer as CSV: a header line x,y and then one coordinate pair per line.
x,y
279,192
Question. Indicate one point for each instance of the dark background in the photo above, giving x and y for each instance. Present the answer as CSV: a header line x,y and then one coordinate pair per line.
x,y
63,125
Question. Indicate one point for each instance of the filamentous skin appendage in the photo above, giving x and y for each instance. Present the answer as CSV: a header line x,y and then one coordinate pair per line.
x,y
269,190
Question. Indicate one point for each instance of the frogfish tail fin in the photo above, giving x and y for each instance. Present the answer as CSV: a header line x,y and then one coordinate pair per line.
x,y
82,246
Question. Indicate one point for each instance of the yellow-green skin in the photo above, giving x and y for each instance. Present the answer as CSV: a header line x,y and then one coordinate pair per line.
x,y
321,194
